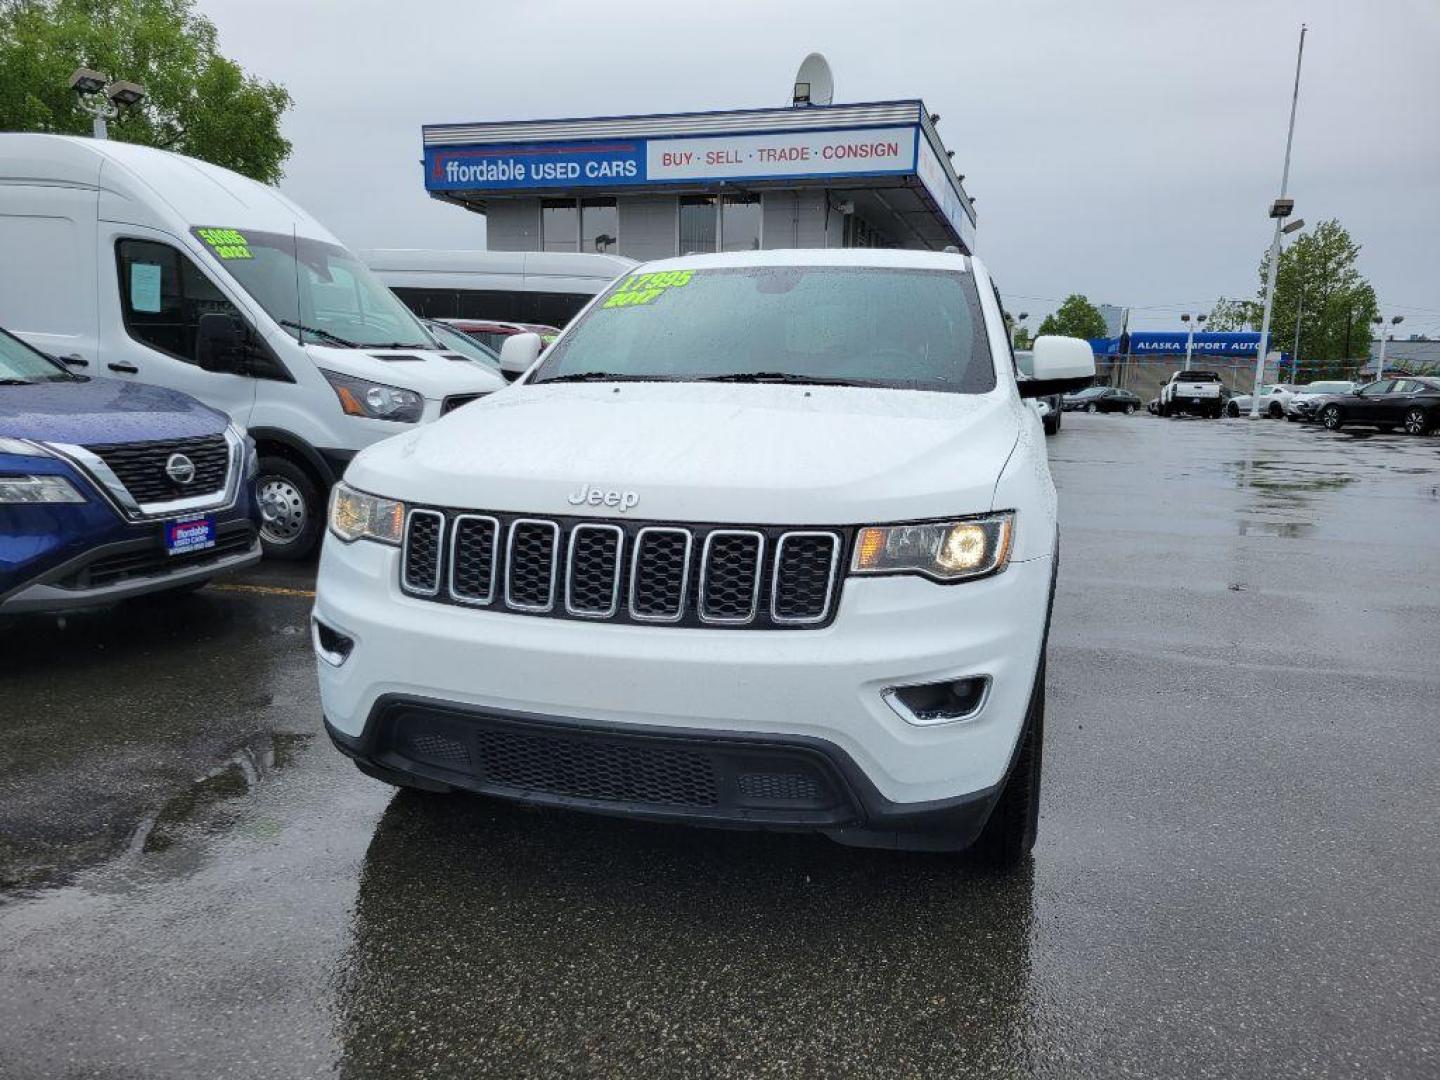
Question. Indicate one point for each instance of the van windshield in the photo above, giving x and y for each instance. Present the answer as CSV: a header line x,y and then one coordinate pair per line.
x,y
853,326
318,292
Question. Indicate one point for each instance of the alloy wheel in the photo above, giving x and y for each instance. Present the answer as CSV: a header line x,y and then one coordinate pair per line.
x,y
1416,422
1331,418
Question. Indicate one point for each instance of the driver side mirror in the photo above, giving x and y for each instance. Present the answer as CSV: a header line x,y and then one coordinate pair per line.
x,y
518,354
1058,365
221,343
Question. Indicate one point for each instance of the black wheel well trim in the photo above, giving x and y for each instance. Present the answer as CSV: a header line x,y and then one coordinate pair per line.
x,y
296,450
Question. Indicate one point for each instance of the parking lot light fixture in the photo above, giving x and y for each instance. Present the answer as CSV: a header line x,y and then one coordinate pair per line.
x,y
1190,335
102,98
1385,333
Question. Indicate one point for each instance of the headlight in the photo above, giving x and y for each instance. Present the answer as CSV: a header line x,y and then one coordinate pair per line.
x,y
355,515
21,447
361,397
942,550
38,489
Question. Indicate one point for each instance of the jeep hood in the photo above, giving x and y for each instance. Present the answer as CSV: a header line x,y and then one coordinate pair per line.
x,y
752,454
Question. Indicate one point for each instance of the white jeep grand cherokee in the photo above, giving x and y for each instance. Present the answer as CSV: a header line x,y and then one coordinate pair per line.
x,y
765,540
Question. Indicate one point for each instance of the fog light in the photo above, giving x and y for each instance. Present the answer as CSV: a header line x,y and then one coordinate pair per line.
x,y
940,702
330,645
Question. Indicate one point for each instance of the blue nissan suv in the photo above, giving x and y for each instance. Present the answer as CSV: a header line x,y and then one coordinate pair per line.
x,y
110,489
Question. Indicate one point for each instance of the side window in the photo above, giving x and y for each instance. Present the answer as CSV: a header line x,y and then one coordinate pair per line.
x,y
1378,388
1009,337
1404,386
162,296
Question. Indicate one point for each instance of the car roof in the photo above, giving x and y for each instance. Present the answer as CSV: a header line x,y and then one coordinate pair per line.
x,y
887,258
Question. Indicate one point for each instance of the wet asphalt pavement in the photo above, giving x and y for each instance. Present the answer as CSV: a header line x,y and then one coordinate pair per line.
x,y
1238,872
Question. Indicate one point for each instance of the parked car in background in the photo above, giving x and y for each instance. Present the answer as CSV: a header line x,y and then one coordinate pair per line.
x,y
111,489
1273,399
1412,403
1102,399
150,267
493,332
765,540
1050,407
467,347
1306,399
1199,393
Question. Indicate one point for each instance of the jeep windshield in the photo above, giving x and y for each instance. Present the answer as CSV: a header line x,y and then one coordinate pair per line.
x,y
825,325
318,292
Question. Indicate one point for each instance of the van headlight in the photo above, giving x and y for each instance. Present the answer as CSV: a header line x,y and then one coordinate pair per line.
x,y
941,550
354,515
377,401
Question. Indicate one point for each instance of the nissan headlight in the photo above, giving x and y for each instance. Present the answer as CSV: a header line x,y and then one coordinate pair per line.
x,y
941,550
354,515
377,401
37,489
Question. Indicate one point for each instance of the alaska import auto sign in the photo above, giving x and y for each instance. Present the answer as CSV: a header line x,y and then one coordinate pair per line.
x,y
627,162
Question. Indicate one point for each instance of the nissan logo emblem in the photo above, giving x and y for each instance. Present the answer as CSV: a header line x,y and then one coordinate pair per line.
x,y
180,468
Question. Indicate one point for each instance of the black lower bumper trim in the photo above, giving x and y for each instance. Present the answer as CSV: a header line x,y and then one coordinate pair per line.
x,y
725,779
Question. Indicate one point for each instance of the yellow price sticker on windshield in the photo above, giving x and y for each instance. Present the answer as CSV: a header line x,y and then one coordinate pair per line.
x,y
226,243
640,289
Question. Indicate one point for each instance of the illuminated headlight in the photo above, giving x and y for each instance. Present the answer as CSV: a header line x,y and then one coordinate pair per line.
x,y
361,397
942,550
38,489
355,515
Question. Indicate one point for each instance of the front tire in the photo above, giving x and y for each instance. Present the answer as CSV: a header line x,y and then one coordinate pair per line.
x,y
1092,408
1233,411
1052,424
1009,834
1129,409
1416,422
291,509
1331,417
1276,411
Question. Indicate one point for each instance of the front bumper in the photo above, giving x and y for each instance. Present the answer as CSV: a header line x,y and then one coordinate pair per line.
x,y
827,684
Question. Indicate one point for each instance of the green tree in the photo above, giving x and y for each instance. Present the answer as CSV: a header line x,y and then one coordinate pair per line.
x,y
1318,282
199,102
1023,340
1076,317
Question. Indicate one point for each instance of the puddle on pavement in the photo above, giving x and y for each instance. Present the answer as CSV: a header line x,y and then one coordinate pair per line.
x,y
208,805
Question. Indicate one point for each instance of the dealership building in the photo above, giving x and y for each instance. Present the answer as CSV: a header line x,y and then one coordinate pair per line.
x,y
649,187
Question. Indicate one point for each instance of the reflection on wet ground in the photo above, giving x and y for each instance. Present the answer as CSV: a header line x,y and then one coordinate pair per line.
x,y
1238,872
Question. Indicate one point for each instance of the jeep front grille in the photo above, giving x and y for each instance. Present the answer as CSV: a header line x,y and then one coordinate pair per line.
x,y
760,577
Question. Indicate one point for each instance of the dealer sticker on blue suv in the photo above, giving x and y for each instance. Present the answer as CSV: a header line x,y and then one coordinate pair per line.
x,y
189,534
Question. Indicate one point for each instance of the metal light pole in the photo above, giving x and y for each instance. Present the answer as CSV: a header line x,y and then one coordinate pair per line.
x,y
1385,332
1279,210
1189,339
1295,352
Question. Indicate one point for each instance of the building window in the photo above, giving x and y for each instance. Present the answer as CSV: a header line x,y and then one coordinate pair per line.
x,y
162,296
740,223
559,225
697,223
599,225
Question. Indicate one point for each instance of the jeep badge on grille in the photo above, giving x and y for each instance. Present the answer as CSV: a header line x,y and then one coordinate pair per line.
x,y
593,496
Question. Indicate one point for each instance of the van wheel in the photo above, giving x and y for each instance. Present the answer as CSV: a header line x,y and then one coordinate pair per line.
x,y
290,509
1010,833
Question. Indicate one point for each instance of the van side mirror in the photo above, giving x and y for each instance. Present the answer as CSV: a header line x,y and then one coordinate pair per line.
x,y
221,343
1058,365
518,354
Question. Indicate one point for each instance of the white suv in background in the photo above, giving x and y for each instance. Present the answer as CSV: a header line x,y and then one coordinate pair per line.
x,y
767,539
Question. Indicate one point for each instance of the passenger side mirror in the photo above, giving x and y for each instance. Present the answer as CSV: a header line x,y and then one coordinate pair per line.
x,y
221,343
518,354
1059,365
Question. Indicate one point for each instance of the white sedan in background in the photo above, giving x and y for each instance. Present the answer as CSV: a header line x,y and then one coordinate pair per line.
x,y
1273,399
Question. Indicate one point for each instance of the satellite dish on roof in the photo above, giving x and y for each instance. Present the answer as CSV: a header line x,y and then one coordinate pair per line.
x,y
814,85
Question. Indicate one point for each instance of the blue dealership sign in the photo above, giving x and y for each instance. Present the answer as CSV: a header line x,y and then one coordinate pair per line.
x,y
534,165
1212,343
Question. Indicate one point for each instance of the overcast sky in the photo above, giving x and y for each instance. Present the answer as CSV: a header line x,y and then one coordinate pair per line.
x,y
1124,149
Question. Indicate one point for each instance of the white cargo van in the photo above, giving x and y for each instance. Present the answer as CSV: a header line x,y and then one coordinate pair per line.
x,y
548,287
145,266
784,559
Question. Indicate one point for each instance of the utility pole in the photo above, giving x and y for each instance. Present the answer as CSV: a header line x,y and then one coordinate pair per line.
x,y
1385,332
1280,209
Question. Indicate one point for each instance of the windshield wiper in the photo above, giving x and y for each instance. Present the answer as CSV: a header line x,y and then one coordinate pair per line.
x,y
600,376
14,382
326,334
777,377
